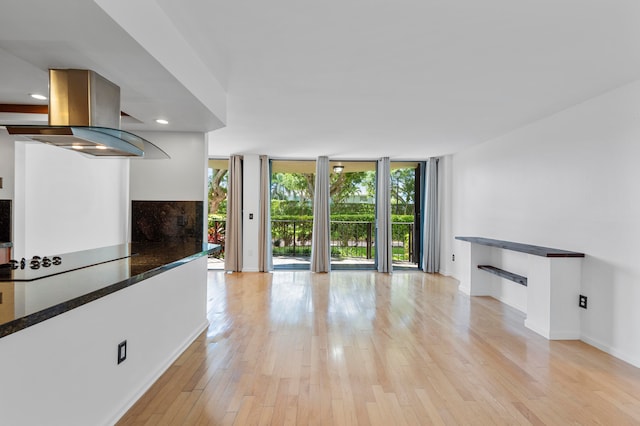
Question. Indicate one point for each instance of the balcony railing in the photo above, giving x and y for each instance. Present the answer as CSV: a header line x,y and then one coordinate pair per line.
x,y
349,239
291,238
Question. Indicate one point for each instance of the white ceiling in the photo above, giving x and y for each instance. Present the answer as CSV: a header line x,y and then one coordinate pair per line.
x,y
349,78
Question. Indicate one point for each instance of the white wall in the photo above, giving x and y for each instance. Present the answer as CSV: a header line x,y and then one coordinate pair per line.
x,y
67,202
64,371
570,181
250,205
6,165
183,177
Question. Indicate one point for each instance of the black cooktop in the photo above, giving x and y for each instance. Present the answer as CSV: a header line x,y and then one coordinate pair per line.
x,y
37,267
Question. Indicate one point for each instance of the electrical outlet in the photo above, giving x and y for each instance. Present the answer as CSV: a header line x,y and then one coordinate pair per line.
x,y
453,257
122,351
582,301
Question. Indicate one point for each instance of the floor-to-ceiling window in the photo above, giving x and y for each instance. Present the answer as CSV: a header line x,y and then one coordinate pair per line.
x,y
406,181
292,186
217,177
353,214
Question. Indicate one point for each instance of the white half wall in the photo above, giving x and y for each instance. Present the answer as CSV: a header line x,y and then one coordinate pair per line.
x,y
569,181
67,202
64,371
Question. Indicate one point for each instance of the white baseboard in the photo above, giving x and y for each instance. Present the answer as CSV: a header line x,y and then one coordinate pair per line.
x,y
465,290
445,273
534,327
564,335
635,361
522,309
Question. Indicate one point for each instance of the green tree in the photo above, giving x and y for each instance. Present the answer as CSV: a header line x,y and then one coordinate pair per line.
x,y
301,186
403,189
346,185
217,189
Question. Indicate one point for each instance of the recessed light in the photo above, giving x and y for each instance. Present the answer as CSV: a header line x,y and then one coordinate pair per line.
x,y
101,147
38,96
162,121
77,146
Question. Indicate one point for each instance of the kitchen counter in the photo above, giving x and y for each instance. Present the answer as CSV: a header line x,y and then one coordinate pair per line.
x,y
116,325
5,245
83,277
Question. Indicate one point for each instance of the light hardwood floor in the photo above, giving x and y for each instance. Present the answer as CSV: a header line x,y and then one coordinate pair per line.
x,y
292,347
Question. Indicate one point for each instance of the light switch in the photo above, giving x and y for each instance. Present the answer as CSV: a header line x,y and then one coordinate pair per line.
x,y
250,215
122,351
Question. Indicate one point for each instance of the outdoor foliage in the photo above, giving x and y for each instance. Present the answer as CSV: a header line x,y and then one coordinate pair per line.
x,y
299,187
403,187
353,212
218,191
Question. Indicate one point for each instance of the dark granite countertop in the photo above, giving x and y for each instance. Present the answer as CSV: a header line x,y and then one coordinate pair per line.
x,y
65,263
524,248
84,277
5,245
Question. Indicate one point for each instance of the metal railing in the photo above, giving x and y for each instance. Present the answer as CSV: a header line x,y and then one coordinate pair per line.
x,y
291,237
349,239
403,242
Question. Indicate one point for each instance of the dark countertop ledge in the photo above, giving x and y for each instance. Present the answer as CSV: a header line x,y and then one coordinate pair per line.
x,y
524,248
149,260
5,245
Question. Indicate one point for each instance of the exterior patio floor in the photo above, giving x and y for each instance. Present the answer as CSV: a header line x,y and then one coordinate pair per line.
x,y
290,262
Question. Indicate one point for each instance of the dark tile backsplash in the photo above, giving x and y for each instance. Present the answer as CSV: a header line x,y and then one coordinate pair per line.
x,y
166,221
5,221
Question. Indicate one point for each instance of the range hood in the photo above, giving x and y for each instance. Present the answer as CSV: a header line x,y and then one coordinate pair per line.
x,y
84,115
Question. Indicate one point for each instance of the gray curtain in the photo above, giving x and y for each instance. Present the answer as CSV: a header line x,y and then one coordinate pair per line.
x,y
384,253
265,258
233,232
431,239
320,239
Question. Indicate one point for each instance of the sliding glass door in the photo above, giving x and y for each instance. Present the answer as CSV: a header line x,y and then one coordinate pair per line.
x,y
406,183
353,214
292,185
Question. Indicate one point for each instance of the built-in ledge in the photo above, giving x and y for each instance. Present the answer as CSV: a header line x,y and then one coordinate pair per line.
x,y
523,248
550,284
504,274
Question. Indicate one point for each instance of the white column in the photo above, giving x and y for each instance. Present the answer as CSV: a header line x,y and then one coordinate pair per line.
x,y
250,212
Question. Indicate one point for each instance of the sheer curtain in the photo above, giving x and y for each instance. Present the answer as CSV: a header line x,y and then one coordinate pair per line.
x,y
265,258
431,240
233,232
320,241
384,251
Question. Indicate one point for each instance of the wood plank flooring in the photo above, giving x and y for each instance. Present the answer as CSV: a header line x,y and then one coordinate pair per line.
x,y
353,347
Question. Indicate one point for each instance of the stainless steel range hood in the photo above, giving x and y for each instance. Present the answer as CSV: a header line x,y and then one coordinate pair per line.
x,y
84,115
